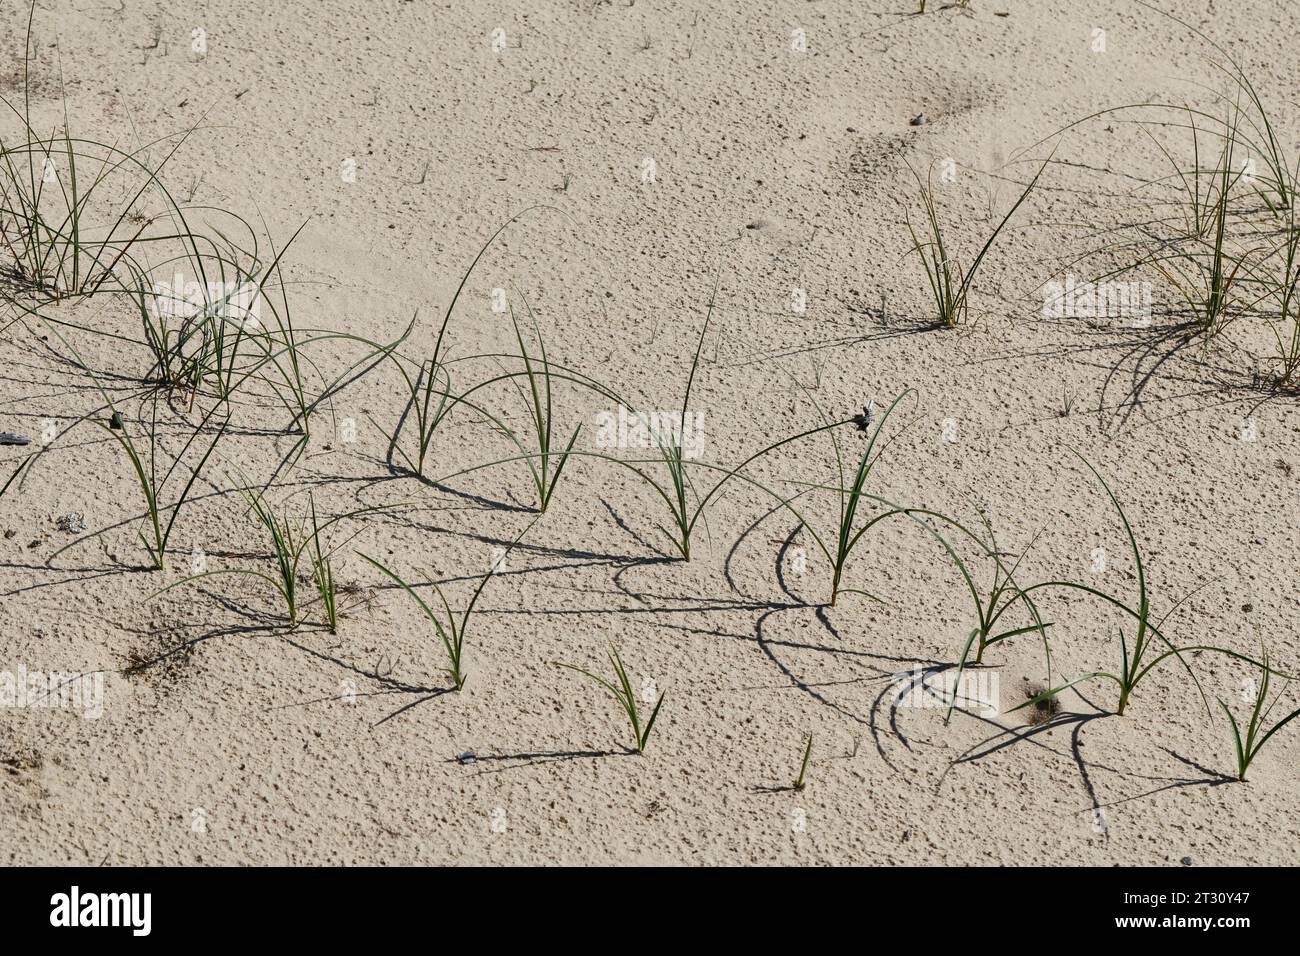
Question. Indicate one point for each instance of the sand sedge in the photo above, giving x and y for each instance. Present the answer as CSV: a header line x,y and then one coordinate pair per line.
x,y
322,569
1257,730
1278,281
287,547
544,465
290,541
950,284
145,467
427,402
56,256
1275,186
1137,658
686,504
1206,267
673,455
852,495
1004,594
1284,286
186,346
622,692
45,210
801,781
450,627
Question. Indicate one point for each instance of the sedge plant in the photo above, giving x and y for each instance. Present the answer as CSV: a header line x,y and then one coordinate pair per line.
x,y
545,463
1258,732
950,283
451,628
1149,646
145,465
291,541
621,690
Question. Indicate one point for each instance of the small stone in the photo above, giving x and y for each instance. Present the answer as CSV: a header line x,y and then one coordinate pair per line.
x,y
1186,861
9,533
10,438
115,421
920,119
74,522
467,757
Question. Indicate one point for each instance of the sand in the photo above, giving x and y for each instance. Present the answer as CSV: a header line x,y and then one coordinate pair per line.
x,y
670,144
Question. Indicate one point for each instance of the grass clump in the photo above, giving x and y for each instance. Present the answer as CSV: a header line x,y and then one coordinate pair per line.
x,y
1149,646
291,541
950,283
450,627
145,467
622,692
1258,731
544,463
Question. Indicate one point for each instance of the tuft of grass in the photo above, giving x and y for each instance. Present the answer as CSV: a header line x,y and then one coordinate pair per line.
x,y
1276,187
851,497
1258,732
852,494
427,402
1285,287
544,464
287,548
622,692
673,455
450,627
801,780
145,466
1004,594
1206,266
1149,646
290,541
322,571
950,284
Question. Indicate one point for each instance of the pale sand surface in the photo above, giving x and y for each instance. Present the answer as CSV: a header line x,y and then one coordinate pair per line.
x,y
775,169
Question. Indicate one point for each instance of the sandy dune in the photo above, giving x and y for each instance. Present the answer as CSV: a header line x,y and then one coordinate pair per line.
x,y
649,151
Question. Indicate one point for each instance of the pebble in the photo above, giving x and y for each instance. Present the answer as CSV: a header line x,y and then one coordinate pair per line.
x,y
74,522
10,438
920,119
467,757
